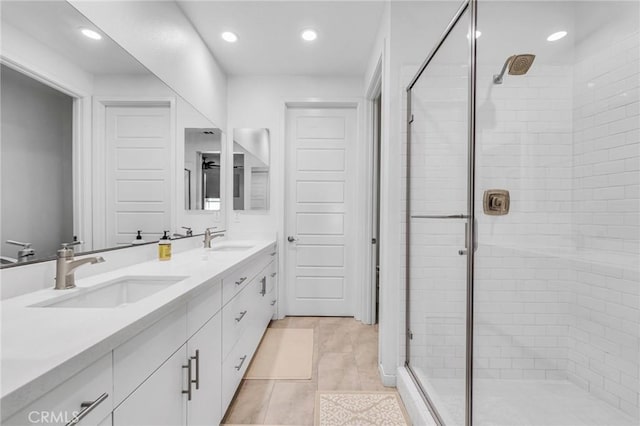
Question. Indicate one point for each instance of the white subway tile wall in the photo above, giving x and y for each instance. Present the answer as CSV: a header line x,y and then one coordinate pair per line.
x,y
557,280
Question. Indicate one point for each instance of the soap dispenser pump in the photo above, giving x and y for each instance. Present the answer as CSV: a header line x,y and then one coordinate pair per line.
x,y
138,239
164,247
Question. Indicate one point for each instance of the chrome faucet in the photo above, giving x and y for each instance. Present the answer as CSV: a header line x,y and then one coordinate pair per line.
x,y
66,265
189,232
209,236
25,253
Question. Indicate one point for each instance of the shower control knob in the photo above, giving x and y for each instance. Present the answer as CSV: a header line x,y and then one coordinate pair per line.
x,y
291,239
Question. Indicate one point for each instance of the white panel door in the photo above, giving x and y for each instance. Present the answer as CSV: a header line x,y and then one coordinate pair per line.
x,y
138,192
319,145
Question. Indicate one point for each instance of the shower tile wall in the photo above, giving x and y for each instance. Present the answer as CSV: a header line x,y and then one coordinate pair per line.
x,y
557,294
604,344
524,145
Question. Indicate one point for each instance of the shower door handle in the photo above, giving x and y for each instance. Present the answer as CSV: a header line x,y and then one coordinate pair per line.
x,y
466,239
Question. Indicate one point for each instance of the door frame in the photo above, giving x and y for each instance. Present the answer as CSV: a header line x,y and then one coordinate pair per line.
x,y
99,150
359,203
80,151
374,90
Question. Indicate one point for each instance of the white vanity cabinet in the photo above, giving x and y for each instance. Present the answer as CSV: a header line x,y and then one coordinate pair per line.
x,y
203,349
158,401
245,319
185,390
181,368
88,391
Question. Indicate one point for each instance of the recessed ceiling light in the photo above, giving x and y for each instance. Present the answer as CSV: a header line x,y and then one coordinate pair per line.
x,y
309,35
230,37
91,34
557,36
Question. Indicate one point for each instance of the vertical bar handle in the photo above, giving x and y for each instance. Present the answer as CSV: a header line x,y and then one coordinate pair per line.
x,y
196,358
188,391
263,287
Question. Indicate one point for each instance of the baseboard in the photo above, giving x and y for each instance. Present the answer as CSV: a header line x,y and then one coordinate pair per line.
x,y
413,402
389,380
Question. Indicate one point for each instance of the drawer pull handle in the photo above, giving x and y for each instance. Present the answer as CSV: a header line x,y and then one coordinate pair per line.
x,y
87,407
242,314
263,286
273,274
241,280
197,360
242,360
189,381
273,254
273,302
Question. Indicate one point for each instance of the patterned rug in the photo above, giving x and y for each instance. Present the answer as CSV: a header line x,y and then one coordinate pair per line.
x,y
341,408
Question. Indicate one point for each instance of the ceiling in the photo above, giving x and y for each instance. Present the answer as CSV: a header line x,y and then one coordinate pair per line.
x,y
56,24
269,39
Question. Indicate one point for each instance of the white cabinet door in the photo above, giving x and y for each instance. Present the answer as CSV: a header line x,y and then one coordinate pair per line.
x,y
205,349
159,401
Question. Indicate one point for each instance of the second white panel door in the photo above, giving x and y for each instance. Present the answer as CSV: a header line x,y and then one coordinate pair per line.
x,y
138,141
319,178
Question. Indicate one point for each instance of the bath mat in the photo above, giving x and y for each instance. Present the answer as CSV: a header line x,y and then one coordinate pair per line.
x,y
339,408
283,354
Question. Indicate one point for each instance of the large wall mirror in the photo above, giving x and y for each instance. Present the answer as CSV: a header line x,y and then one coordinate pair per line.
x,y
92,141
251,159
202,169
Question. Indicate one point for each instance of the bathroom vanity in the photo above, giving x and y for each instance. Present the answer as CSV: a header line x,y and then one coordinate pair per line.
x,y
156,343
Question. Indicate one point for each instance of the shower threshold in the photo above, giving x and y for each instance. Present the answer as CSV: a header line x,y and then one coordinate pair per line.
x,y
524,403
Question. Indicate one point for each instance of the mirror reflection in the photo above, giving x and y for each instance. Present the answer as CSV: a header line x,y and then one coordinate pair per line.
x,y
87,135
251,157
202,168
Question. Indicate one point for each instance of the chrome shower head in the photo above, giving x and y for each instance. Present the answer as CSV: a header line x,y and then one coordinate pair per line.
x,y
518,65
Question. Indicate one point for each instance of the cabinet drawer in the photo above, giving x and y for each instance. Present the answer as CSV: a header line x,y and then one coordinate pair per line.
x,y
204,307
237,280
140,356
233,368
61,404
272,299
272,276
237,315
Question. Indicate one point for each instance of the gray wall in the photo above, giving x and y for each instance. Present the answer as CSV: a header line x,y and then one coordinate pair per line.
x,y
36,173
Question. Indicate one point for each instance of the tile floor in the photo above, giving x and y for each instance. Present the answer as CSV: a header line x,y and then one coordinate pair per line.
x,y
345,357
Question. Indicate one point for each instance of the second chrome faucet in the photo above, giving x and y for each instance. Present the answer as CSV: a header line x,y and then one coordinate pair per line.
x,y
209,236
66,265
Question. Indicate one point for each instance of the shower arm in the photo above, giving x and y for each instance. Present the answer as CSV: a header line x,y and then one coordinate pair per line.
x,y
497,78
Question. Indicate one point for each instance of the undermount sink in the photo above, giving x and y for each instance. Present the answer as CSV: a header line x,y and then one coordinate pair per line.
x,y
231,247
112,294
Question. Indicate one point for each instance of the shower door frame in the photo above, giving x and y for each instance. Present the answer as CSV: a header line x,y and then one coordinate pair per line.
x,y
472,7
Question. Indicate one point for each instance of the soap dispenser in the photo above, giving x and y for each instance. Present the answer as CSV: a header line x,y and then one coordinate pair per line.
x,y
164,247
138,239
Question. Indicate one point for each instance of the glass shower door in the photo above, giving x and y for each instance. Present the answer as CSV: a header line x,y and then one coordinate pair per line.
x,y
436,220
556,291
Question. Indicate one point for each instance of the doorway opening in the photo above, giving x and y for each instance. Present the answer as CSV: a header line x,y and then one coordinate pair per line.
x,y
375,206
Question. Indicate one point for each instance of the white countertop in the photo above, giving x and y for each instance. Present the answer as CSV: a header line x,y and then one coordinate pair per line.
x,y
42,347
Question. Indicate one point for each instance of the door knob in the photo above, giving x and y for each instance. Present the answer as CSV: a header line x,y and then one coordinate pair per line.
x,y
291,239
